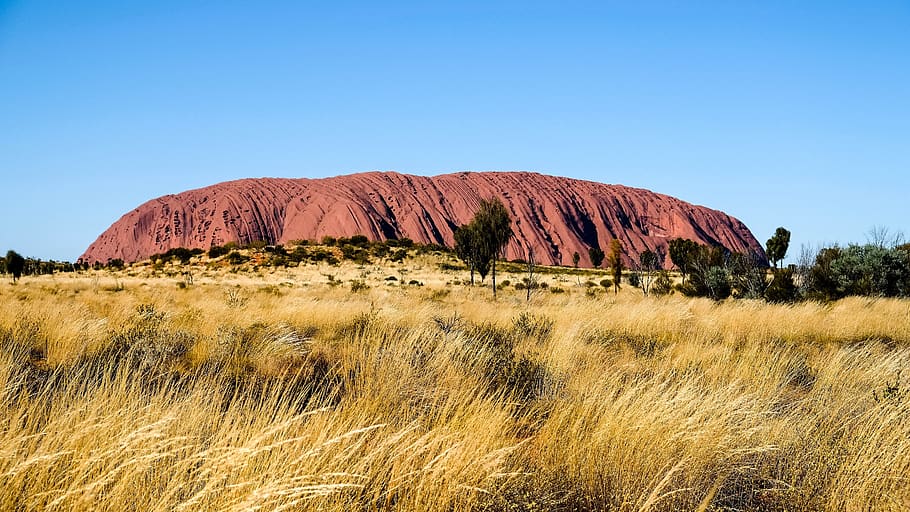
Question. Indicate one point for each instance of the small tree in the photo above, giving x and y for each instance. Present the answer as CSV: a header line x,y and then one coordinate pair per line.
x,y
776,246
596,255
717,280
615,263
662,284
705,268
530,278
466,247
682,254
884,238
494,229
747,275
648,263
15,264
575,259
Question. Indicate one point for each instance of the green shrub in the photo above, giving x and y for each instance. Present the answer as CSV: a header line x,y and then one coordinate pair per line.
x,y
398,255
359,241
662,284
216,251
868,270
321,254
236,258
491,350
354,253
256,245
717,281
781,288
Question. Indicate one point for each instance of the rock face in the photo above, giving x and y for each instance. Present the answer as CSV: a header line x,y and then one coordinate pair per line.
x,y
554,216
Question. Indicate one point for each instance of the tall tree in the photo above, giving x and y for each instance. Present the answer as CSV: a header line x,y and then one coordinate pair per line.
x,y
494,228
466,247
15,263
596,255
777,245
614,260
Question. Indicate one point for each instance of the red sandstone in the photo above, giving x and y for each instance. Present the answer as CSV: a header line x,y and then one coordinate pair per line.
x,y
555,216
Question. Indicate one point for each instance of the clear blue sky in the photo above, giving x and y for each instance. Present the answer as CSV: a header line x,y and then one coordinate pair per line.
x,y
777,112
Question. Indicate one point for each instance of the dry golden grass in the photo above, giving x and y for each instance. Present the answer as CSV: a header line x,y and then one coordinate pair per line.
x,y
281,391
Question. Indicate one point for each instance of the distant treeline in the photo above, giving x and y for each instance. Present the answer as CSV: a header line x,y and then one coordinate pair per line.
x,y
332,250
876,269
879,268
17,266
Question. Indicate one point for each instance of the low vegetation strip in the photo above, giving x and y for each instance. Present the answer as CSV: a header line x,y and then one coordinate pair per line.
x,y
310,396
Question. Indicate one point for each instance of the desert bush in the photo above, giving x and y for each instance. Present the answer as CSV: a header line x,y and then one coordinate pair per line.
x,y
439,294
717,282
359,241
398,255
492,349
236,258
256,245
354,253
235,298
405,243
115,264
662,284
537,327
180,254
319,255
782,287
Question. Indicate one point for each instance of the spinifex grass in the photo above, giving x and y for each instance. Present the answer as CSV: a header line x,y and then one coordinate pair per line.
x,y
214,397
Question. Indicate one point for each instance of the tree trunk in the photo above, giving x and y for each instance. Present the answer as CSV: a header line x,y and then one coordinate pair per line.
x,y
494,277
530,271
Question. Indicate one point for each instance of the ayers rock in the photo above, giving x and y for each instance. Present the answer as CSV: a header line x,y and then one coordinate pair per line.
x,y
555,216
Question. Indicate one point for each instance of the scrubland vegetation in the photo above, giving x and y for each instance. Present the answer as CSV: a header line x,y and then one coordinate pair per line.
x,y
343,387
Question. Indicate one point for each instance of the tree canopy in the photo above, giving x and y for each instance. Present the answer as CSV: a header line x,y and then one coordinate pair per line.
x,y
15,263
482,240
776,246
597,256
682,252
